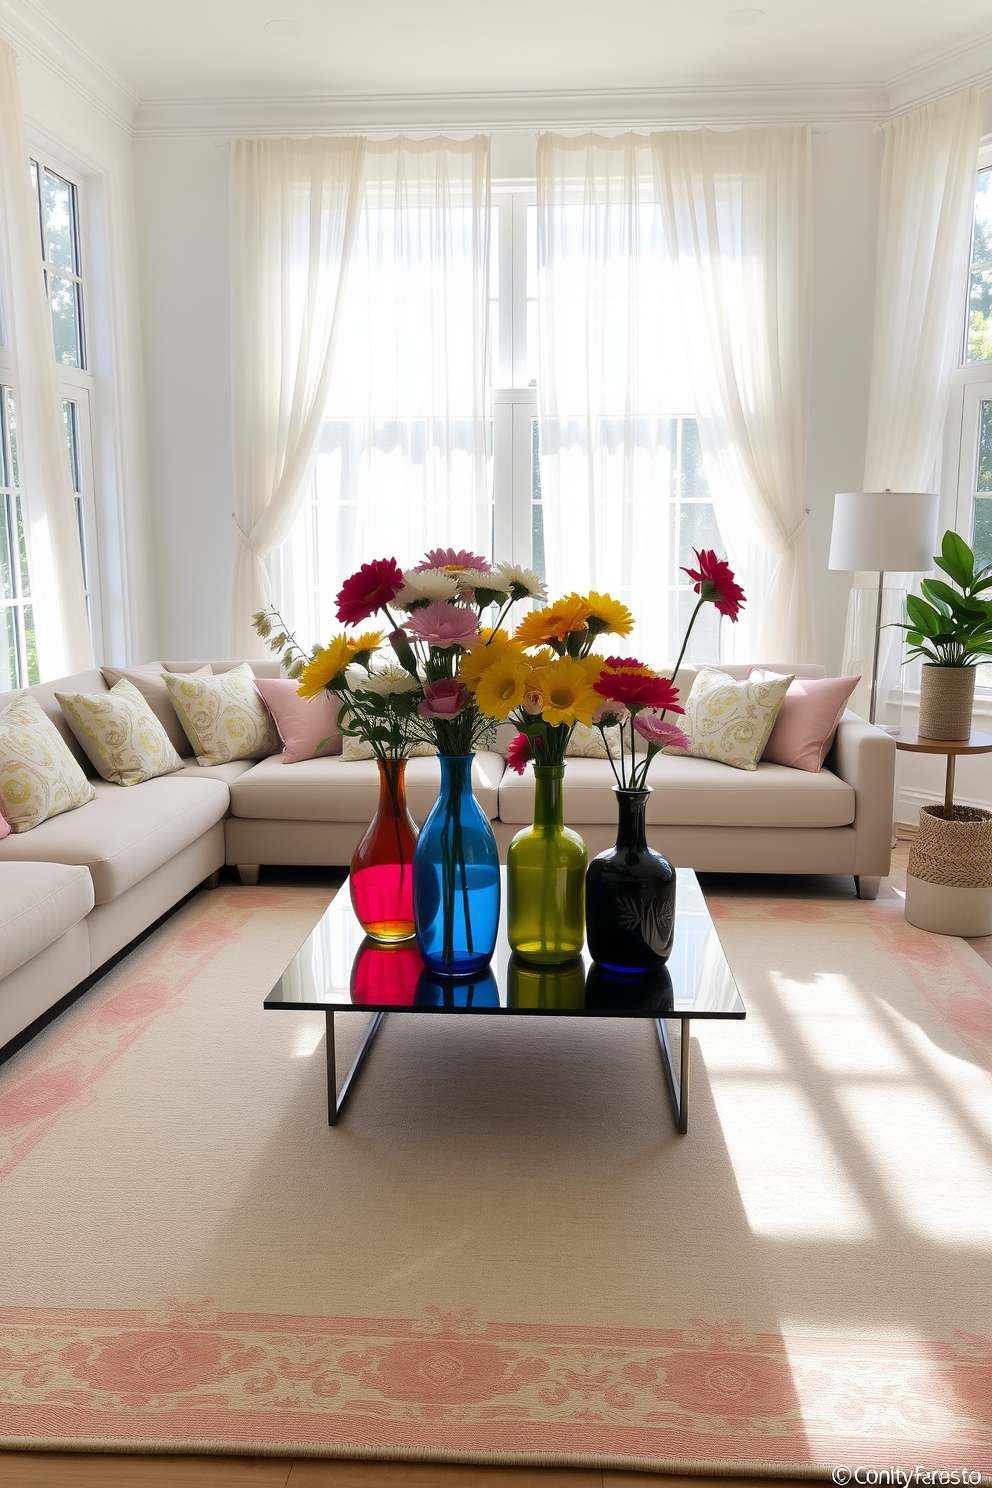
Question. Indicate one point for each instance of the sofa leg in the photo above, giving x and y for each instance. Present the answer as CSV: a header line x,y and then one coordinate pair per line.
x,y
249,874
867,885
212,881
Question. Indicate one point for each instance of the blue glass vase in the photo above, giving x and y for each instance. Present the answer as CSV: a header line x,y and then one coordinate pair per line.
x,y
456,877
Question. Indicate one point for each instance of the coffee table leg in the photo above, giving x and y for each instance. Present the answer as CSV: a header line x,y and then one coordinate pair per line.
x,y
678,1092
336,1101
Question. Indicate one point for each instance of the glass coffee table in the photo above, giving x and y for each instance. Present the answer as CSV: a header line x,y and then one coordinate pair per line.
x,y
338,969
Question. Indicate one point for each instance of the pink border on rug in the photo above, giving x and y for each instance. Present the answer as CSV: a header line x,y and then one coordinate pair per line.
x,y
452,1384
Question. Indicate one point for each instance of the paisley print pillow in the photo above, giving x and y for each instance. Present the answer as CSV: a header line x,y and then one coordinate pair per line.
x,y
38,776
730,721
223,715
123,739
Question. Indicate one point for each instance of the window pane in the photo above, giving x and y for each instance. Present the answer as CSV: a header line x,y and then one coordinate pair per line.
x,y
979,308
8,651
70,412
982,540
693,482
31,647
981,251
65,320
15,479
59,223
37,202
537,510
22,550
6,550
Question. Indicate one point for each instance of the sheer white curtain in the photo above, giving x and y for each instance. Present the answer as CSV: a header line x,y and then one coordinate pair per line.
x,y
54,559
612,381
402,462
294,215
925,222
736,224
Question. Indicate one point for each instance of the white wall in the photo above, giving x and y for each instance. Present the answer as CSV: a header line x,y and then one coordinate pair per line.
x,y
93,137
181,203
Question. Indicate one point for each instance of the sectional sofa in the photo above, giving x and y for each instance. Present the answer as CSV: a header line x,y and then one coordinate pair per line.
x,y
77,889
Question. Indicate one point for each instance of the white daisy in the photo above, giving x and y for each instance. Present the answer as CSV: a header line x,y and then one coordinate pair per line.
x,y
383,681
431,585
521,583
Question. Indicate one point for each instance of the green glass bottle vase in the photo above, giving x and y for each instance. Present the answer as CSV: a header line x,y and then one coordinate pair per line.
x,y
545,879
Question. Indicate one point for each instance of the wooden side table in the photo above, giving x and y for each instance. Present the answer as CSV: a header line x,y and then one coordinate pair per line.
x,y
914,743
962,905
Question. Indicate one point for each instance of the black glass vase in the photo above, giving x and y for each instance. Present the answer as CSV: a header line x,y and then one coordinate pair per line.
x,y
630,895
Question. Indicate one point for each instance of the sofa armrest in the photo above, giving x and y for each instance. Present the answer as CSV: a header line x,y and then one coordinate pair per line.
x,y
865,756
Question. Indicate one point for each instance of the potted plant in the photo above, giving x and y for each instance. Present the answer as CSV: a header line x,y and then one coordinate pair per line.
x,y
951,629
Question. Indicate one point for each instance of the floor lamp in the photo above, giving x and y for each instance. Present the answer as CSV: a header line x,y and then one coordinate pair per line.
x,y
888,532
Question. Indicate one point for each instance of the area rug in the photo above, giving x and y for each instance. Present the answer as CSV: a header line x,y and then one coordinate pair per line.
x,y
505,1253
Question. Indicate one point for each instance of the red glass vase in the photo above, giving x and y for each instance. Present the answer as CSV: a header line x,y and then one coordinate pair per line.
x,y
381,879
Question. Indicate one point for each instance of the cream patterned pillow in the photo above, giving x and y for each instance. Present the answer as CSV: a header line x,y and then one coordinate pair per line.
x,y
123,739
38,776
730,721
587,743
223,715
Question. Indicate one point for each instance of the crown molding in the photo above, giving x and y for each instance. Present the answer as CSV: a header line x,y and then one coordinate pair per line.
x,y
574,109
967,66
35,31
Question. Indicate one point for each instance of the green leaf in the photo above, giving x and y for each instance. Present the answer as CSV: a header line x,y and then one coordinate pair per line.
x,y
958,559
923,616
939,592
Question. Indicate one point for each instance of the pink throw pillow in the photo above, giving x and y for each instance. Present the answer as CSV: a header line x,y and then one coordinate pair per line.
x,y
303,723
807,720
4,829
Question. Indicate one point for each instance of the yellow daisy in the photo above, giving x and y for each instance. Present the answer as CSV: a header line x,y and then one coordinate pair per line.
x,y
568,693
477,659
369,640
325,666
553,623
501,687
606,614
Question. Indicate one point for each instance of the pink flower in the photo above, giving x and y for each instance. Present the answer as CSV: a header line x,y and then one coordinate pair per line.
x,y
368,590
452,558
444,625
611,714
658,732
443,699
714,580
519,753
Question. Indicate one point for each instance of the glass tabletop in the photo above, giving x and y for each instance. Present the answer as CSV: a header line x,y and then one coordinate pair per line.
x,y
338,967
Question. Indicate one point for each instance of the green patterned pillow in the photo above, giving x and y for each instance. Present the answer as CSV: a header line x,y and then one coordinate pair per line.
x,y
38,776
730,721
122,738
224,717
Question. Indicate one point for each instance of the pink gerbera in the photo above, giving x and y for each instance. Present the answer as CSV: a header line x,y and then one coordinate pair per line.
x,y
444,625
454,560
658,732
519,753
714,580
368,590
637,689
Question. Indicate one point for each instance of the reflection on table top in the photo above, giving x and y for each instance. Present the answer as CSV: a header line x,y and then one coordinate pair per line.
x,y
339,967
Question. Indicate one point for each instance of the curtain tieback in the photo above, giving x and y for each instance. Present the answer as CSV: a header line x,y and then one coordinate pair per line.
x,y
244,536
793,535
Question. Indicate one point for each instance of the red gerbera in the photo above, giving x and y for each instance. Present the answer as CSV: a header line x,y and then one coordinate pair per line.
x,y
637,689
519,753
368,590
714,580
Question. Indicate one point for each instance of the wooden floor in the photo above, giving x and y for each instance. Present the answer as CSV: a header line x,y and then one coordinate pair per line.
x,y
85,1470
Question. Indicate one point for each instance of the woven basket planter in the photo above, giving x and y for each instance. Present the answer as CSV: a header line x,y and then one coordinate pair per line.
x,y
949,881
947,696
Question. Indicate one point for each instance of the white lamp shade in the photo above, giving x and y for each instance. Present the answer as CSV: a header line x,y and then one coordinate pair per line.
x,y
884,531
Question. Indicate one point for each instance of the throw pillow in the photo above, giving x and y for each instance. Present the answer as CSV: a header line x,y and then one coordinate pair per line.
x,y
123,739
354,749
4,828
38,776
730,721
587,743
807,720
150,682
308,727
223,716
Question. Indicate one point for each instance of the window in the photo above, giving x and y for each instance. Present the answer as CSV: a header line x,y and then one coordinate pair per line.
x,y
978,331
57,199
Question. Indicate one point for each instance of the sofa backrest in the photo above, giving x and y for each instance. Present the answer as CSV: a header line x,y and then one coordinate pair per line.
x,y
260,668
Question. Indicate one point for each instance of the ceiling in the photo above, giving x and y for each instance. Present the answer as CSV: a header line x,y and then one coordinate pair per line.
x,y
221,49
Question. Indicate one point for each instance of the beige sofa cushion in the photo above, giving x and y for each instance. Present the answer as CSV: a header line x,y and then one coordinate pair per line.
x,y
38,903
232,770
693,793
332,789
123,835
125,742
224,716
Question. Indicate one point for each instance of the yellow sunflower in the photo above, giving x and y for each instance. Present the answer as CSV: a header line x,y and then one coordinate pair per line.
x,y
495,645
325,666
369,640
568,693
553,623
501,687
606,614
593,667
